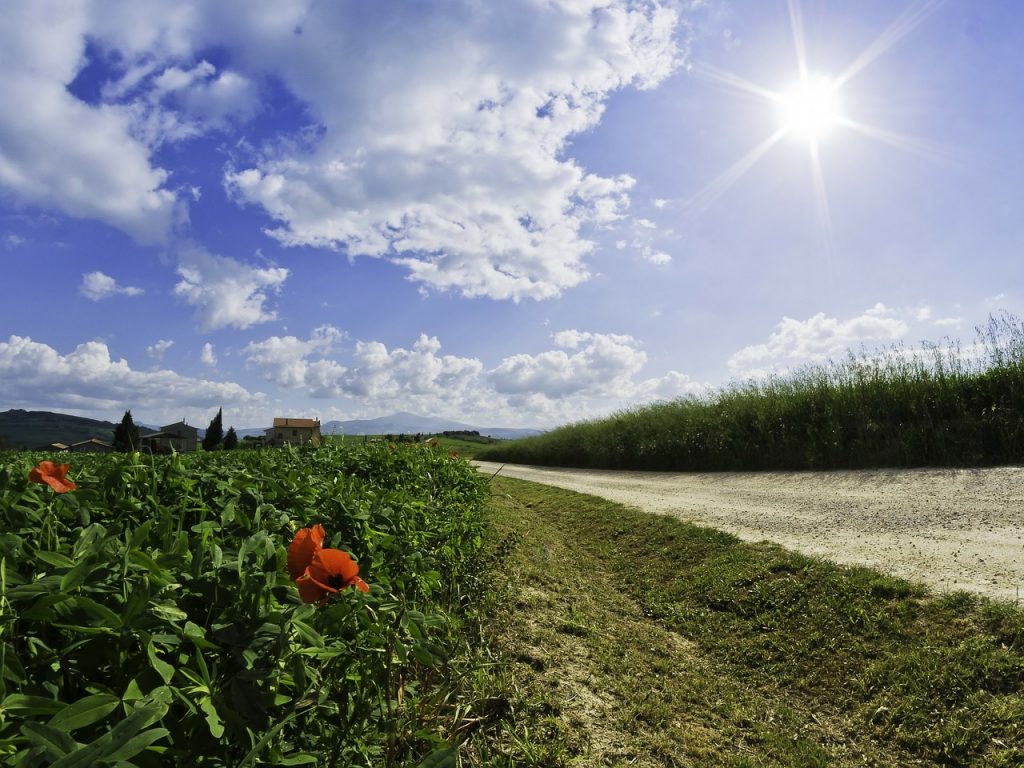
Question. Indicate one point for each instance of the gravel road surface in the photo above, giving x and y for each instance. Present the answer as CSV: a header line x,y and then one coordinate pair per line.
x,y
949,528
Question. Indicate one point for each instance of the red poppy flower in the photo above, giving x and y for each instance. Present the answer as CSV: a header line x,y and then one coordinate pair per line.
x,y
306,543
331,571
320,572
53,475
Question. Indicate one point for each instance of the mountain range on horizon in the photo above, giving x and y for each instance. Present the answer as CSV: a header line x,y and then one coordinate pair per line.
x,y
32,429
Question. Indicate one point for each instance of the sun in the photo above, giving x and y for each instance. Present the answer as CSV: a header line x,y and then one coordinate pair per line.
x,y
810,108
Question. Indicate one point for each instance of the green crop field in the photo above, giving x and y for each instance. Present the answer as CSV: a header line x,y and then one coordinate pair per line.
x,y
147,617
156,614
941,405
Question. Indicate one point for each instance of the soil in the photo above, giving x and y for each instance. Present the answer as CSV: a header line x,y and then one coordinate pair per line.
x,y
952,529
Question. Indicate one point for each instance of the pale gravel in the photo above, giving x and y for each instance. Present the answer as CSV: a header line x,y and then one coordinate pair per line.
x,y
953,529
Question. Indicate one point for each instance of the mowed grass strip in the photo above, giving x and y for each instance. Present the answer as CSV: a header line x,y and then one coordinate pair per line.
x,y
639,640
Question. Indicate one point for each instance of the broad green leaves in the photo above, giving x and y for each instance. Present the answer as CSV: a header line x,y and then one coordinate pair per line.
x,y
147,619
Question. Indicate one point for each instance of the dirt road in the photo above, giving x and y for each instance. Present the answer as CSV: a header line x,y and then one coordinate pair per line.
x,y
950,528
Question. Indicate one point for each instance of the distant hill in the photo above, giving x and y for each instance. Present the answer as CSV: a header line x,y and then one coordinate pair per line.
x,y
33,429
403,423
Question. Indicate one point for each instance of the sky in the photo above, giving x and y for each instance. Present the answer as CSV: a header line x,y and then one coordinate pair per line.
x,y
513,214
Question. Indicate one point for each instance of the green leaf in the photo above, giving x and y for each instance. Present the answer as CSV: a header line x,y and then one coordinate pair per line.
x,y
303,758
120,736
76,576
140,534
97,611
54,742
55,559
445,757
213,720
307,633
168,612
136,744
85,711
26,706
165,670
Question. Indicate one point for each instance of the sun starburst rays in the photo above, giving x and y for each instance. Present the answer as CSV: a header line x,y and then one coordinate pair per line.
x,y
810,109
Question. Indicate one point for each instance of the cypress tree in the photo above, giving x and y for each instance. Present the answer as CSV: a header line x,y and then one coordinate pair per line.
x,y
214,432
126,434
230,440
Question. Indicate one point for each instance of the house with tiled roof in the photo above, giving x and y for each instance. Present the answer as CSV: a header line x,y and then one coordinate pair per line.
x,y
289,431
178,437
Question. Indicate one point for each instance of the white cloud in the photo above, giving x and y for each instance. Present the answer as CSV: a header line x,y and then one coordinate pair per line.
x,y
948,322
207,356
923,313
97,286
36,376
417,374
436,137
453,165
59,152
603,364
642,241
284,360
157,350
795,342
589,374
224,291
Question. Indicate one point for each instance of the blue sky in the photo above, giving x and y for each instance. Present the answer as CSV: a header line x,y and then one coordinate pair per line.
x,y
514,214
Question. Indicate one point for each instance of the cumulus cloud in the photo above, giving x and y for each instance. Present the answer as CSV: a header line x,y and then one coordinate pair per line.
x,y
587,375
453,165
59,152
795,342
157,350
207,355
599,363
226,292
97,286
285,360
409,373
36,376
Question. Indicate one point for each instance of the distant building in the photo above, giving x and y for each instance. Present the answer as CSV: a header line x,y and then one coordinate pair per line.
x,y
54,447
179,437
91,446
294,432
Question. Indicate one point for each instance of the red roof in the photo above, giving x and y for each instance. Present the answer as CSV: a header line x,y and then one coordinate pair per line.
x,y
303,423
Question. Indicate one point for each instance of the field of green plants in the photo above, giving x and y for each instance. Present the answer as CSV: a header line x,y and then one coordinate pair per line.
x,y
148,617
938,406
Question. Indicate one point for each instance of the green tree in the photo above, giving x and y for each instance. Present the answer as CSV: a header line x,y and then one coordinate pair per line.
x,y
230,440
214,432
126,434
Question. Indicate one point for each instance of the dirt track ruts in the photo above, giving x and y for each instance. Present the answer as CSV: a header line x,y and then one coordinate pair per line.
x,y
949,528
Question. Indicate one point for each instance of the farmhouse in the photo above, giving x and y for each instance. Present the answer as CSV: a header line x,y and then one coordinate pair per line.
x,y
178,437
91,446
293,431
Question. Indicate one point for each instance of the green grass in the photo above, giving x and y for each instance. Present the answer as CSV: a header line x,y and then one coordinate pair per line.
x,y
938,406
635,639
464,447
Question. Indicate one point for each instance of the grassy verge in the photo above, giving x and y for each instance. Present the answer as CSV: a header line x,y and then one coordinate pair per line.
x,y
939,406
640,640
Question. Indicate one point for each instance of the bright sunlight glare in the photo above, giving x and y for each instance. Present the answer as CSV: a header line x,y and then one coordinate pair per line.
x,y
810,108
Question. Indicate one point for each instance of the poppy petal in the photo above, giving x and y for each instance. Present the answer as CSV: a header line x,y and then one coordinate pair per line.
x,y
53,475
333,569
361,585
309,590
306,543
